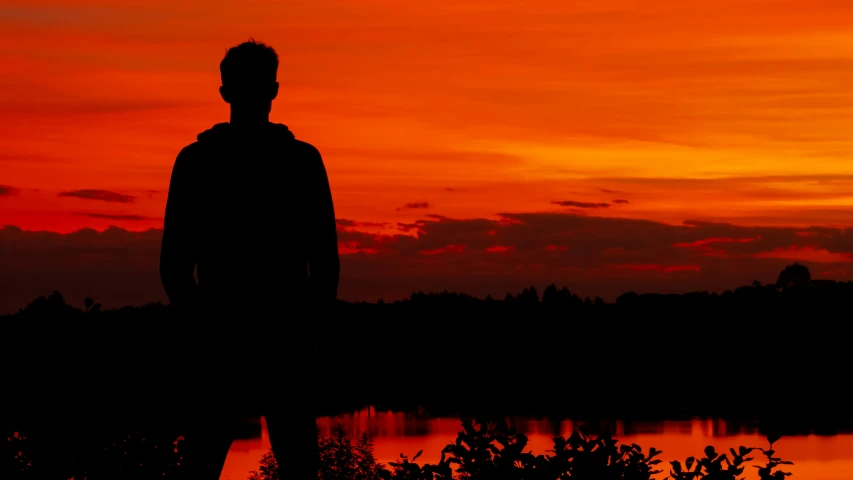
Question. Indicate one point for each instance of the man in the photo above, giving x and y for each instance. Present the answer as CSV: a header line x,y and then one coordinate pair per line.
x,y
250,208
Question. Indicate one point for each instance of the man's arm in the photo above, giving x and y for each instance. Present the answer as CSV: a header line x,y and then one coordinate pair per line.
x,y
178,250
324,265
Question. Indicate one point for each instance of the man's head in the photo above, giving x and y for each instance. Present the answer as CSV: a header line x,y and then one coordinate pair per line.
x,y
249,73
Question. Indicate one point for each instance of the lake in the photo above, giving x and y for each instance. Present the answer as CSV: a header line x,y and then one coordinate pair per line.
x,y
815,457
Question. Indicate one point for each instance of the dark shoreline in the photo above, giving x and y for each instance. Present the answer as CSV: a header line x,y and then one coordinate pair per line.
x,y
757,353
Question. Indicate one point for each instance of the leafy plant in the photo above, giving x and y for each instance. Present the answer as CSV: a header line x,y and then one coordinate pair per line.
x,y
486,450
767,471
15,462
715,466
493,450
583,457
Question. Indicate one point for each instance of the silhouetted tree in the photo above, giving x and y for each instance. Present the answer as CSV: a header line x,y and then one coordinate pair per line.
x,y
341,460
794,275
549,295
53,306
528,296
267,469
562,298
367,468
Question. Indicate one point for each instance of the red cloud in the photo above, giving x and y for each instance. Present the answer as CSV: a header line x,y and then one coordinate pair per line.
x,y
344,223
352,247
638,268
590,255
662,268
838,273
807,254
117,217
681,268
445,249
707,241
408,227
703,247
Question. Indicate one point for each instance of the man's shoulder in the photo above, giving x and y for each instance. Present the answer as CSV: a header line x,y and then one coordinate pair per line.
x,y
306,148
195,151
190,151
189,157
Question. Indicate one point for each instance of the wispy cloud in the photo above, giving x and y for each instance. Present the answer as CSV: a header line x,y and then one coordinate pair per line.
x,y
8,191
415,206
101,195
572,203
121,217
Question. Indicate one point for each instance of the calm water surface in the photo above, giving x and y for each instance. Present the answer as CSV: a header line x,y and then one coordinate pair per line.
x,y
815,457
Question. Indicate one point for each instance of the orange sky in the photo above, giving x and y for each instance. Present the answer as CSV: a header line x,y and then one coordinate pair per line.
x,y
728,111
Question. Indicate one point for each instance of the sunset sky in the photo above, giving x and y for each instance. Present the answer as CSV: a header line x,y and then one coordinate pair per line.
x,y
479,146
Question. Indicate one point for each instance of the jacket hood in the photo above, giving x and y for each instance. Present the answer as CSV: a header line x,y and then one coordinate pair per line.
x,y
226,132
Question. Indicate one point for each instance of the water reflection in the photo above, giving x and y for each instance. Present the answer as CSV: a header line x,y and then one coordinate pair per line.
x,y
395,424
815,456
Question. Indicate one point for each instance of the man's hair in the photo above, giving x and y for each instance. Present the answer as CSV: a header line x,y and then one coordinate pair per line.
x,y
250,63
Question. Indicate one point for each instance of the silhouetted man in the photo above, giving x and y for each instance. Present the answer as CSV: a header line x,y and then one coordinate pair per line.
x,y
250,208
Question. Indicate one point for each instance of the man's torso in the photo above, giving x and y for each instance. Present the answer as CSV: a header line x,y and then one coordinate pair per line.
x,y
250,201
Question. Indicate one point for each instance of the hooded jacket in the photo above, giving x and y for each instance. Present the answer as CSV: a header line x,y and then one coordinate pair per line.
x,y
252,210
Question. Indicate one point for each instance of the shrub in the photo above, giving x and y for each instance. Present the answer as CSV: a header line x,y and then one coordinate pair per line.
x,y
493,451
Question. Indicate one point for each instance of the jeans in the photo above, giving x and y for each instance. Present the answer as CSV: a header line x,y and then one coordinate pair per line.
x,y
278,383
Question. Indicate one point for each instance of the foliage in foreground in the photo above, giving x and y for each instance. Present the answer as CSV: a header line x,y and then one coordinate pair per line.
x,y
487,451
